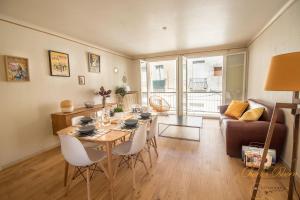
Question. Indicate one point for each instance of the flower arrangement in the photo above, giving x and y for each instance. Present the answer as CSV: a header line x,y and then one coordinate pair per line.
x,y
104,93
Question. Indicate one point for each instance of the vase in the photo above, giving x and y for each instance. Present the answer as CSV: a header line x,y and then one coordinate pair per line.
x,y
120,101
103,101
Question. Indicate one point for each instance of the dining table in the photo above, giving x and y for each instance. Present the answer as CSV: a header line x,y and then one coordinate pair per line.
x,y
106,136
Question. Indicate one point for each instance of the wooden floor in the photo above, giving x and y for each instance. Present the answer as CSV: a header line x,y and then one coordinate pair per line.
x,y
185,170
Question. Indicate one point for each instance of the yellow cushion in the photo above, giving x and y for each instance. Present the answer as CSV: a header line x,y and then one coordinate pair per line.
x,y
236,109
252,115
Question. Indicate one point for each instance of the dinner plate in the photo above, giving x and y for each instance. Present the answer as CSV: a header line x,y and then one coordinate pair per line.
x,y
145,115
131,122
86,120
86,129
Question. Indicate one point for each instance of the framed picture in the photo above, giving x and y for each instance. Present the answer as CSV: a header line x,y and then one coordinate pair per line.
x,y
81,80
94,63
59,64
17,68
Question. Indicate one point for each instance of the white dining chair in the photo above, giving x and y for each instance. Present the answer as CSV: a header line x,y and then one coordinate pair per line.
x,y
82,159
151,138
77,121
131,151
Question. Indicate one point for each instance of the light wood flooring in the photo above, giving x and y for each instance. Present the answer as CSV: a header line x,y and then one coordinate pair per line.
x,y
184,170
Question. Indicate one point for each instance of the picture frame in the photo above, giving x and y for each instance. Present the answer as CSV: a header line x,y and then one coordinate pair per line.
x,y
94,63
81,80
59,64
17,69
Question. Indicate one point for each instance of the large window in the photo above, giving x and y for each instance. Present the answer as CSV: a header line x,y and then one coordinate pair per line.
x,y
203,92
198,85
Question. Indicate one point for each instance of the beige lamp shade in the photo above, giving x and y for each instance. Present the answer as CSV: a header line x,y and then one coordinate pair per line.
x,y
284,73
66,106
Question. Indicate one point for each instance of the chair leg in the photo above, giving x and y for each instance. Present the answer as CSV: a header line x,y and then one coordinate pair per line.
x,y
71,179
149,153
144,163
88,183
117,167
133,172
155,145
66,173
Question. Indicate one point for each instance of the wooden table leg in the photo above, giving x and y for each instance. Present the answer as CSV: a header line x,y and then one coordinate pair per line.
x,y
109,168
66,173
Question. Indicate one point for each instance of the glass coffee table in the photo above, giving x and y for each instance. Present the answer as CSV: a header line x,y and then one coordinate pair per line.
x,y
182,121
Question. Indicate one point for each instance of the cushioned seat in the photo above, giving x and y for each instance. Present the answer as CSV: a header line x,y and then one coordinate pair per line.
x,y
122,149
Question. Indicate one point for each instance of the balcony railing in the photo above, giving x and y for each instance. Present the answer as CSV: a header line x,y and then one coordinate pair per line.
x,y
198,102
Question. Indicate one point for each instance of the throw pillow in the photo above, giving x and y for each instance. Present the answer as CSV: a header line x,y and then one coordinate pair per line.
x,y
236,109
252,115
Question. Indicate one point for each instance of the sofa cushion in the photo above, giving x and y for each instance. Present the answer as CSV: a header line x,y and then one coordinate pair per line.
x,y
267,114
252,115
236,109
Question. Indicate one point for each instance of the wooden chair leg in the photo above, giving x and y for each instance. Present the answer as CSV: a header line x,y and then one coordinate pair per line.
x,y
144,163
149,153
70,182
155,146
117,166
66,173
103,169
133,172
88,183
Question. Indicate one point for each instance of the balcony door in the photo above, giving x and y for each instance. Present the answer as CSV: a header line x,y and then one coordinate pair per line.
x,y
202,80
159,78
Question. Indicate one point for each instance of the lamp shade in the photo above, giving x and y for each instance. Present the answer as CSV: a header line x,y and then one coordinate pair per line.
x,y
284,73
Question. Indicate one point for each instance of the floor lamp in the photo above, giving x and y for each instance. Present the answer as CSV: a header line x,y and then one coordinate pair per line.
x,y
284,75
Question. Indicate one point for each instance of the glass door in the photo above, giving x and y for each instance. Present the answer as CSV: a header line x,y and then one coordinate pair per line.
x,y
159,78
202,85
234,77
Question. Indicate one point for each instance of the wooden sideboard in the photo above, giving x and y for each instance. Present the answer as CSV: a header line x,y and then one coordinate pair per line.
x,y
61,120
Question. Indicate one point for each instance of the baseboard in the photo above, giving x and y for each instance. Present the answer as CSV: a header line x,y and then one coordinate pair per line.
x,y
297,177
10,164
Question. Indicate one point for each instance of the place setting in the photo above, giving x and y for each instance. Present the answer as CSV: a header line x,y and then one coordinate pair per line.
x,y
89,128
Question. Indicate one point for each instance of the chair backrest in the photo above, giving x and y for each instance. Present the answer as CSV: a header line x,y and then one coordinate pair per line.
x,y
153,127
76,120
139,139
73,151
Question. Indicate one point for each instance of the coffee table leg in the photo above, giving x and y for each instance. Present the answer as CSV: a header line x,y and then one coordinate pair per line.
x,y
199,135
158,128
159,133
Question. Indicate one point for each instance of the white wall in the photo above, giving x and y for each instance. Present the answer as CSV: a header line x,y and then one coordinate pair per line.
x,y
281,37
26,107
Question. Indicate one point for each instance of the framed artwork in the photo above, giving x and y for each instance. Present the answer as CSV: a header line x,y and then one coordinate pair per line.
x,y
94,63
59,64
81,80
17,68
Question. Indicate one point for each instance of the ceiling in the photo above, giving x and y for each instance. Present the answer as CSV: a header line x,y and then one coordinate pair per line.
x,y
134,27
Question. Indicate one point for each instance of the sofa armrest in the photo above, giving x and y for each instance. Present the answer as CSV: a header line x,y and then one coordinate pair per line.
x,y
240,133
223,108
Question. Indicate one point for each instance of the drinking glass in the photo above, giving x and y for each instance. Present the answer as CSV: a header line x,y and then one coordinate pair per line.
x,y
106,117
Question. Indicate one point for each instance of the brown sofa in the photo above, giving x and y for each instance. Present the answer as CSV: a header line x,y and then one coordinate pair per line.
x,y
238,133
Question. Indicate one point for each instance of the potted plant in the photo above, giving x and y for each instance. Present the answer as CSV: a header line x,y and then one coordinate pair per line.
x,y
118,112
120,92
105,94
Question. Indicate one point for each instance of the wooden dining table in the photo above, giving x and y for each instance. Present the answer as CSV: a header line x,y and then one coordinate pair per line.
x,y
106,136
